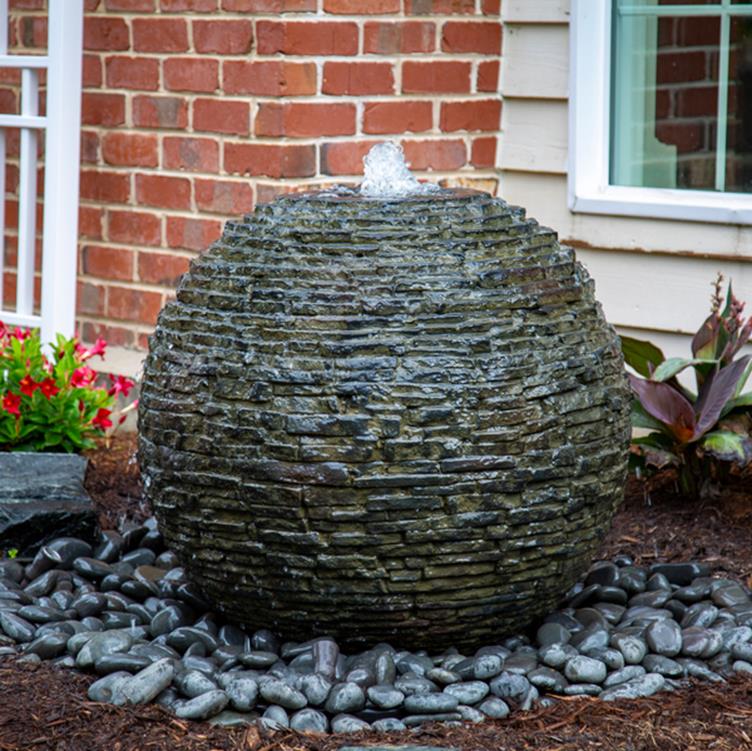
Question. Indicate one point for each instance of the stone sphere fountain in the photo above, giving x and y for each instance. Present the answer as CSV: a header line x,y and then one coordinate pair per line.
x,y
393,414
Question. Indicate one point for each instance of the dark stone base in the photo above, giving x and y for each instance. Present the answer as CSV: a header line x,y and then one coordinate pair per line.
x,y
42,496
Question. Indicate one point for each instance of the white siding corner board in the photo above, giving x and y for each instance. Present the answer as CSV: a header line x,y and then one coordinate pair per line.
x,y
536,61
535,135
535,11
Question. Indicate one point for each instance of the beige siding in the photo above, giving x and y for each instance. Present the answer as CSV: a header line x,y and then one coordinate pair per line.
x,y
652,276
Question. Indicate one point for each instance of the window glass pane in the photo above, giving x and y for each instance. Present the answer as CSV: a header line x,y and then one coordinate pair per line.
x,y
664,101
653,3
739,131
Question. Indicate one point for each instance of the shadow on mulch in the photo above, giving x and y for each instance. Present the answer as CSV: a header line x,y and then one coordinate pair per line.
x,y
45,708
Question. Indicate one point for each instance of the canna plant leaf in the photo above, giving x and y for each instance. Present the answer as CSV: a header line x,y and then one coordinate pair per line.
x,y
674,365
727,446
717,390
643,356
666,405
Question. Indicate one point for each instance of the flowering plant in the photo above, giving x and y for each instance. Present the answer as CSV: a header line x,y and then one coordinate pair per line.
x,y
53,404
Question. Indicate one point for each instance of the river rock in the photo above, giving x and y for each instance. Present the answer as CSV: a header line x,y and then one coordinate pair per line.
x,y
645,685
149,682
202,707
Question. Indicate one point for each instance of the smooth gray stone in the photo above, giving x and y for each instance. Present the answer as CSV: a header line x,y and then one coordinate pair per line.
x,y
528,700
384,668
101,644
387,725
727,597
611,611
521,663
633,648
243,693
604,573
592,637
309,721
277,692
585,596
417,664
434,703
612,658
105,688
202,707
30,659
43,498
677,609
681,573
345,698
11,569
699,669
567,620
275,717
58,553
182,638
139,557
692,593
229,719
48,646
510,686
628,673
116,620
206,665
654,598
109,547
737,635
91,568
494,707
701,642
742,666
193,683
415,720
385,696
415,685
663,665
471,714
346,723
742,651
582,689
548,679
632,580
169,618
148,683
486,667
591,619
552,633
646,685
89,603
443,677
361,675
583,669
700,614
258,660
658,581
664,637
264,640
316,688
325,654
556,655
17,628
119,662
233,636
469,692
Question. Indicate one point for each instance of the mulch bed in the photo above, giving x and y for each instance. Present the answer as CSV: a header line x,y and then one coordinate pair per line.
x,y
46,708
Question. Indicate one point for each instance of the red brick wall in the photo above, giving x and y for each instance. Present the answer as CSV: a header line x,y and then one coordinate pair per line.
x,y
194,110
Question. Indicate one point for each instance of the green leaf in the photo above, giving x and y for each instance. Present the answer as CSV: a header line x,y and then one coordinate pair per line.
x,y
669,368
643,356
727,446
641,419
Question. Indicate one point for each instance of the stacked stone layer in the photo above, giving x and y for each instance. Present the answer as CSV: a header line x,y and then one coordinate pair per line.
x,y
385,420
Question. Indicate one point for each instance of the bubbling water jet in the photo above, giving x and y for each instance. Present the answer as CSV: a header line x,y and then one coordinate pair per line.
x,y
388,176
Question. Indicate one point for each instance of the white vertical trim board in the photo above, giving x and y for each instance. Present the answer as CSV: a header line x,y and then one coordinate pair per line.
x,y
61,128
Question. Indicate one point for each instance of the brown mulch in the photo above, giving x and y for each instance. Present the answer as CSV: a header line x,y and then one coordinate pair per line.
x,y
46,708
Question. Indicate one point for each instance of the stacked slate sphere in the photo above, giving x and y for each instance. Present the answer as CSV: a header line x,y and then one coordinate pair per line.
x,y
398,420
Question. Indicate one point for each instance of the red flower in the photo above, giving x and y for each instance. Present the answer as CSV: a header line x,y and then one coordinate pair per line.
x,y
48,387
101,420
82,377
28,385
12,403
120,385
21,334
98,349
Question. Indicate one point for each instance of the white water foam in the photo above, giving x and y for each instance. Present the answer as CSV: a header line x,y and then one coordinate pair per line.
x,y
387,174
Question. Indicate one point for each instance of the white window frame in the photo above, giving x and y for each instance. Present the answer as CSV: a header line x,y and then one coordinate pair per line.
x,y
589,139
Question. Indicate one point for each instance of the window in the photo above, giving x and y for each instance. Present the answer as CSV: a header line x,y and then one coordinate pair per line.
x,y
661,109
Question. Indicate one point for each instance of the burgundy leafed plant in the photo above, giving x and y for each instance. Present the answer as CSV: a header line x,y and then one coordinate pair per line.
x,y
707,435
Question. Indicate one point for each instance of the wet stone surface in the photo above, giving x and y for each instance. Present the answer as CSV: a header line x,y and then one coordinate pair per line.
x,y
199,668
360,396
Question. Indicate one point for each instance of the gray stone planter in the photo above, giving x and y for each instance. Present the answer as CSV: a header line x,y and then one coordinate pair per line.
x,y
42,496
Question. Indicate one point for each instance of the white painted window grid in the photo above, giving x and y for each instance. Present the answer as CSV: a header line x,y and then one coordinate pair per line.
x,y
589,189
61,128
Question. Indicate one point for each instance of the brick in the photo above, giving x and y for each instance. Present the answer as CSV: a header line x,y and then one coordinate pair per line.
x,y
301,120
680,67
301,38
270,160
362,7
218,116
478,114
105,187
224,197
268,78
33,31
107,263
435,77
90,222
130,150
128,304
435,155
92,71
91,5
191,233
191,74
397,117
115,336
357,78
488,76
89,147
268,192
491,7
698,32
697,101
191,154
393,38
687,137
130,6
439,7
90,298
344,157
160,35
105,33
132,73
163,191
160,112
484,152
161,268
8,101
102,109
269,6
483,37
223,37
192,6
134,227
